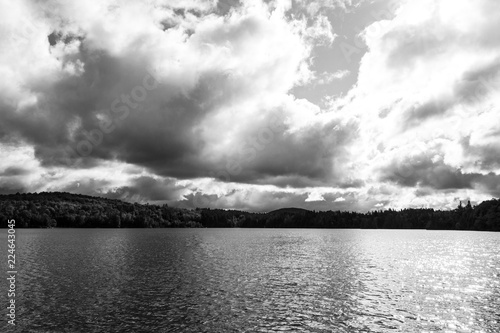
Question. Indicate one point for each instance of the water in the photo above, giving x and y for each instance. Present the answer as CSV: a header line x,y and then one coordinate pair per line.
x,y
244,280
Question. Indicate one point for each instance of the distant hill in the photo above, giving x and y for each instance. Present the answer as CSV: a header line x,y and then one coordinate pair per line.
x,y
290,210
65,210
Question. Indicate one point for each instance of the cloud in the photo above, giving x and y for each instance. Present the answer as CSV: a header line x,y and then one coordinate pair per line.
x,y
426,99
149,189
193,104
9,186
169,100
321,31
314,196
317,6
264,199
14,171
326,78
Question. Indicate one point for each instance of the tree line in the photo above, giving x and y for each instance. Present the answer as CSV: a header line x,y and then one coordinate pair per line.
x,y
65,210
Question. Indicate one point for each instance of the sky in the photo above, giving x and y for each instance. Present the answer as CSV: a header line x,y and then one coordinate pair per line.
x,y
326,105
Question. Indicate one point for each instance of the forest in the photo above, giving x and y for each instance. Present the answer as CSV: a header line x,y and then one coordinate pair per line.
x,y
65,210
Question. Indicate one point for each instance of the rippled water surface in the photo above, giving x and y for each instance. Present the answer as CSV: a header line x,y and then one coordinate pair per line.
x,y
247,280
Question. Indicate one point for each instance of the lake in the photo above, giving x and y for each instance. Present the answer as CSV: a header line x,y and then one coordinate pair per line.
x,y
254,280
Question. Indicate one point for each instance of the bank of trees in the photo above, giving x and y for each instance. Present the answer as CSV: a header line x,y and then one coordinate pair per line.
x,y
45,210
65,210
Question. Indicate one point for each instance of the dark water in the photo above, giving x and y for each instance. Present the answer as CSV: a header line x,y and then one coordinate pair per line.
x,y
241,280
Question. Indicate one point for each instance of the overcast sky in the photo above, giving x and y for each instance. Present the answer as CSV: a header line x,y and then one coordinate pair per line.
x,y
325,105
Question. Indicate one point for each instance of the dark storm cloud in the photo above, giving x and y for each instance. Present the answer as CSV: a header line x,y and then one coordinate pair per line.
x,y
14,171
422,172
69,125
118,110
160,133
9,185
72,104
301,159
186,97
12,179
486,156
490,183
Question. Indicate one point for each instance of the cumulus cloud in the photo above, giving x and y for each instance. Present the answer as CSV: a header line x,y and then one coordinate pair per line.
x,y
170,100
195,97
426,97
186,91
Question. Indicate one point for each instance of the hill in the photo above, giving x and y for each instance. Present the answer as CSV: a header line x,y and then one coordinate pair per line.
x,y
290,210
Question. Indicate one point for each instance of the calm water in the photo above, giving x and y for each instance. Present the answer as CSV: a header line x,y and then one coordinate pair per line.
x,y
242,280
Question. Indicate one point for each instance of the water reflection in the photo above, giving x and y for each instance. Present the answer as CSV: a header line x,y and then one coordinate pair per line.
x,y
429,288
225,280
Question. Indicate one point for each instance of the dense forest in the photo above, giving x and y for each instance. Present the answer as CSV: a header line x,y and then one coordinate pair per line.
x,y
65,210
